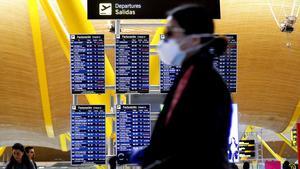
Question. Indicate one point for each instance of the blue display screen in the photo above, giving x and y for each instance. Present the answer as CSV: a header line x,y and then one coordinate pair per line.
x,y
132,63
133,129
168,74
87,64
247,149
226,65
88,134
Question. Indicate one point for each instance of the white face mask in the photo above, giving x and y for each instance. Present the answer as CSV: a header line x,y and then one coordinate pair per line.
x,y
171,54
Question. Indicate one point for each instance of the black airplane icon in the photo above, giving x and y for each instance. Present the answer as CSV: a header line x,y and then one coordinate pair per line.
x,y
105,7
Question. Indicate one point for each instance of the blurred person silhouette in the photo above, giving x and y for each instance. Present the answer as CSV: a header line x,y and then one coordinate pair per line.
x,y
286,165
19,160
193,127
233,166
246,165
31,155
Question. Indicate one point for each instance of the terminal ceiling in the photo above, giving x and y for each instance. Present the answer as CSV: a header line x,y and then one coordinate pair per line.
x,y
268,86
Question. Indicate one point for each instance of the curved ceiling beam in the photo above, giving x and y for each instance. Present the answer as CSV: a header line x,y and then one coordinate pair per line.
x,y
41,67
249,129
58,27
294,119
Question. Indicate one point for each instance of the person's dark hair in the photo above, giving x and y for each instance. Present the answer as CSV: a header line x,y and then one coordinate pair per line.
x,y
194,19
28,148
18,146
233,166
286,165
25,159
246,165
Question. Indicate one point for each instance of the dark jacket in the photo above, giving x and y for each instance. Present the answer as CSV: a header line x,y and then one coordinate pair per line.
x,y
198,129
34,164
20,166
26,163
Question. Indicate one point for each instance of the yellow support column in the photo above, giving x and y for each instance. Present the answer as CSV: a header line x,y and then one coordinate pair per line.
x,y
2,150
58,27
287,141
123,99
41,67
283,147
63,143
154,60
249,129
75,16
101,167
76,21
275,155
68,136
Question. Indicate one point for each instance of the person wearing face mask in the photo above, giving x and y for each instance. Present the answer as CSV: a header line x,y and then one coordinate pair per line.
x,y
193,127
19,160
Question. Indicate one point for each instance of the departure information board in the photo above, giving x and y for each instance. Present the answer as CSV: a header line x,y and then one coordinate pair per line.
x,y
226,65
138,9
132,63
247,149
168,74
87,64
88,134
133,129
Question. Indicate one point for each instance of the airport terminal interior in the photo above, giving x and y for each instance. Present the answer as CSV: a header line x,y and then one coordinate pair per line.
x,y
79,77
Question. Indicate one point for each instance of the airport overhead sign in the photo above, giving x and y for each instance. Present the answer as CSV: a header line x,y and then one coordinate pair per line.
x,y
142,9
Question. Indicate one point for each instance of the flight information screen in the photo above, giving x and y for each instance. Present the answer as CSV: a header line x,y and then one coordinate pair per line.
x,y
133,129
88,134
226,65
294,137
132,64
168,74
87,64
247,149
